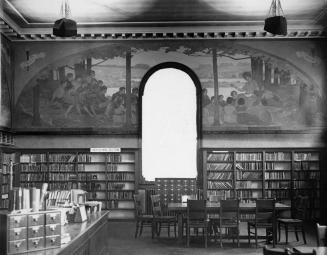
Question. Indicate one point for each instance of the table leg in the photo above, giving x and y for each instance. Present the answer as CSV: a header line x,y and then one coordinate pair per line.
x,y
180,227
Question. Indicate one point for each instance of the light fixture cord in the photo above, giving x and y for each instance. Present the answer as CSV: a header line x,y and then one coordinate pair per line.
x,y
275,8
65,9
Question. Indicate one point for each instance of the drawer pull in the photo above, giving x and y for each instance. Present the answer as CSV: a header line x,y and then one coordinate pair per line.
x,y
17,245
35,219
34,231
35,243
16,233
52,240
16,221
52,228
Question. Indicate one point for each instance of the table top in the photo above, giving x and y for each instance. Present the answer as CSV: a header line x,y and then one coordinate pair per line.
x,y
307,249
215,205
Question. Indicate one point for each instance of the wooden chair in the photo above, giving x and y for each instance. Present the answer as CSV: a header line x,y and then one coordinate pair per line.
x,y
229,214
302,253
321,235
296,223
160,220
142,220
197,217
269,251
265,217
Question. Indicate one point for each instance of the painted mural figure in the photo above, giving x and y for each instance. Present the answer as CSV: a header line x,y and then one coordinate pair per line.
x,y
230,114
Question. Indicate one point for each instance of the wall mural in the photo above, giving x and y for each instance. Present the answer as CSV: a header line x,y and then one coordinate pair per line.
x,y
84,86
6,83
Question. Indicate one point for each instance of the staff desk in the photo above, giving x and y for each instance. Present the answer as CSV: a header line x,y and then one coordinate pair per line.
x,y
306,249
213,207
88,238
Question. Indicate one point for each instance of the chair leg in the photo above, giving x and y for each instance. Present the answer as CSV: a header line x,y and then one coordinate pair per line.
x,y
154,225
159,229
136,228
238,236
187,236
286,233
205,237
168,229
249,234
175,229
221,237
141,229
256,237
278,231
303,235
296,234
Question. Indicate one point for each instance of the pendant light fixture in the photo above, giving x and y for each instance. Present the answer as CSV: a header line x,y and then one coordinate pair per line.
x,y
65,27
276,22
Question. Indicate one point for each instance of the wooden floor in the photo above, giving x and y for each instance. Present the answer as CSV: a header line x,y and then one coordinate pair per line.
x,y
121,241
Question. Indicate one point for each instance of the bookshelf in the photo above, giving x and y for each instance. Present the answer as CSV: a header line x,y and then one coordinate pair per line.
x,y
107,177
280,173
5,159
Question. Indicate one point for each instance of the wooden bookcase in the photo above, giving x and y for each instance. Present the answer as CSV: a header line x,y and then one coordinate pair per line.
x,y
111,178
280,173
5,158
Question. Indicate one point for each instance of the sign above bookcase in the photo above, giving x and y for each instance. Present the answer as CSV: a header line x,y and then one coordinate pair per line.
x,y
105,149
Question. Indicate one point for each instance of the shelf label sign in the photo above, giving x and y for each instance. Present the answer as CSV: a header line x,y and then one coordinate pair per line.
x,y
105,149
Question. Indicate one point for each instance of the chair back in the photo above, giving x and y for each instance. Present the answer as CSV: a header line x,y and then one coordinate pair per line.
x,y
301,207
196,210
271,251
156,205
321,235
229,210
138,205
265,210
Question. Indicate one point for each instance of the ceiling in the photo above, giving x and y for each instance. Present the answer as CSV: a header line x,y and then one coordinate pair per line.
x,y
112,16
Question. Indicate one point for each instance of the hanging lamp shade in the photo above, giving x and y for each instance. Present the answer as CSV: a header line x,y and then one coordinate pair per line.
x,y
276,23
65,27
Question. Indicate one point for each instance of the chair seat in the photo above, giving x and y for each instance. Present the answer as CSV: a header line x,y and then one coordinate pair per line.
x,y
260,224
165,218
290,221
145,217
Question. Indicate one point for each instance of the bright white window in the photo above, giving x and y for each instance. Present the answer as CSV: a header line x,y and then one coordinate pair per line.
x,y
169,126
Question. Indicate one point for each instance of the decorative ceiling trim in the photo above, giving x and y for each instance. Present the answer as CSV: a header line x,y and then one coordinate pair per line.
x,y
155,33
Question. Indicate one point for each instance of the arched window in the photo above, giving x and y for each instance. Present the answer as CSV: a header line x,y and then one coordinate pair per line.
x,y
169,131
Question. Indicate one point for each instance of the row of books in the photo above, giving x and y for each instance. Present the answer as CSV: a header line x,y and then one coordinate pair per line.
x,y
33,158
58,197
62,157
277,175
278,194
24,177
6,138
114,158
280,166
62,167
306,156
4,188
116,185
5,169
306,166
120,195
219,166
248,175
121,176
220,185
63,185
62,177
249,166
306,175
256,156
278,156
26,198
305,184
220,157
220,175
249,185
33,168
249,194
278,185
224,194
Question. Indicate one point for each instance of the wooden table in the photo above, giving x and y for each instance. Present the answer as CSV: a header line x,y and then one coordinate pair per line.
x,y
306,249
213,207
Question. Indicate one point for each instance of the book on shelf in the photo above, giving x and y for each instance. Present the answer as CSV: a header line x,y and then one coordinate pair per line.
x,y
306,156
220,185
278,156
219,166
249,166
60,157
278,175
256,156
220,175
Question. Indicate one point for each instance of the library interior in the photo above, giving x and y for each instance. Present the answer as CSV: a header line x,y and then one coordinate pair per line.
x,y
163,127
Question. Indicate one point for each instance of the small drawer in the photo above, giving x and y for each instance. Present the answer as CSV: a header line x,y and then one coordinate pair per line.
x,y
35,219
17,221
36,243
52,230
17,246
35,231
17,234
52,241
53,218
